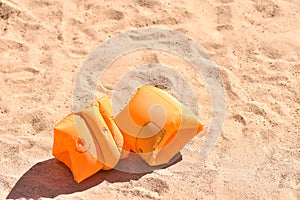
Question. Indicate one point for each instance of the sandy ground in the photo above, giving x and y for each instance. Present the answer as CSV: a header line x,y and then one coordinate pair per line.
x,y
256,46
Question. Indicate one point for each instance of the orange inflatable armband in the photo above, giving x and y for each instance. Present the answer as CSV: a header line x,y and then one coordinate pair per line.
x,y
88,140
156,126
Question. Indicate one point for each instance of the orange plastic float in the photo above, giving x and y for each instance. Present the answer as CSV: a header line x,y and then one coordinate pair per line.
x,y
153,124
88,140
156,126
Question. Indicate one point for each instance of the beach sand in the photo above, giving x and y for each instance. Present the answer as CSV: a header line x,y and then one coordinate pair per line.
x,y
255,45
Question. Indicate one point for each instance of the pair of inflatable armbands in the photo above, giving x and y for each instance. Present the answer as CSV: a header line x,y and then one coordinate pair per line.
x,y
153,124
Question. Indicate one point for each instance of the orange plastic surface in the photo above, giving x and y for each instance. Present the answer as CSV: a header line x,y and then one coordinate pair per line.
x,y
88,140
157,126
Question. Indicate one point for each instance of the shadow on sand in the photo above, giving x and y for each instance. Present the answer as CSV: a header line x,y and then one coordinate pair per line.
x,y
51,178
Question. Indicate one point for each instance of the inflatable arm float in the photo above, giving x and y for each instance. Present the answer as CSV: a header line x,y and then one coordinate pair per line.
x,y
88,140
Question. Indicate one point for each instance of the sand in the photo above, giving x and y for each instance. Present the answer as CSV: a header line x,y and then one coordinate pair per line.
x,y
255,45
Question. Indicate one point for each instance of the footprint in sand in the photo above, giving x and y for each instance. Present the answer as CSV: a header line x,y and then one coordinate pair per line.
x,y
267,8
114,14
256,110
147,3
20,76
239,118
224,16
37,121
232,90
6,11
9,44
